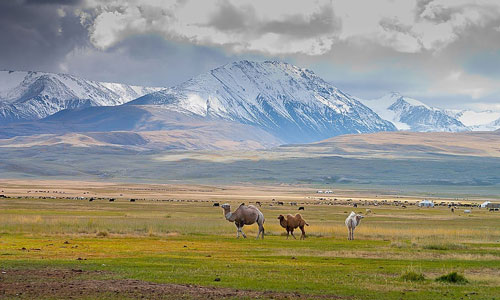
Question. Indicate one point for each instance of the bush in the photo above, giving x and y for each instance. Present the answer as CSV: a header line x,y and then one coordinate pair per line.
x,y
102,233
452,277
413,276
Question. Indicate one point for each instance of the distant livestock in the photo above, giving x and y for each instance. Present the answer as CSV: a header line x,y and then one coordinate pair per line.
x,y
112,200
244,215
132,200
258,203
301,208
280,203
216,204
352,222
290,223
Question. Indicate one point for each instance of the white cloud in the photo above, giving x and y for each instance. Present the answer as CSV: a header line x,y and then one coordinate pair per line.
x,y
290,26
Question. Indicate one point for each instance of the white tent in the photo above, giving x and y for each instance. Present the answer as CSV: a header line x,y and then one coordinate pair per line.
x,y
426,203
485,204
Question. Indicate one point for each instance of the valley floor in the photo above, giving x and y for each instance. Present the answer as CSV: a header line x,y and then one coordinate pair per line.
x,y
172,243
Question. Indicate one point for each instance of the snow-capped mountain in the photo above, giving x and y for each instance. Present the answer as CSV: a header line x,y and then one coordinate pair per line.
x,y
35,95
410,114
292,103
477,121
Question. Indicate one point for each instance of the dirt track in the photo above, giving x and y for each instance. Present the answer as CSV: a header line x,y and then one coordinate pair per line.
x,y
75,284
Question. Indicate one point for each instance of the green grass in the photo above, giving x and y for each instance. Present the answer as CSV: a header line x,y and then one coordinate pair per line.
x,y
191,243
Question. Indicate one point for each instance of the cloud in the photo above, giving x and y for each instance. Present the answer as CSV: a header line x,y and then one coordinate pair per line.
x,y
292,26
35,35
279,27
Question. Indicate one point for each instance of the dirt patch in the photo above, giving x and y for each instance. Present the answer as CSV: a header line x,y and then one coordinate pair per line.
x,y
75,284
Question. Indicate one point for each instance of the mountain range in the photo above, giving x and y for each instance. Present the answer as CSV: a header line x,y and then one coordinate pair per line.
x,y
36,95
236,106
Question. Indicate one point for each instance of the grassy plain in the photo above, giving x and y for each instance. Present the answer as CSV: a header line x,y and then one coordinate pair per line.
x,y
173,235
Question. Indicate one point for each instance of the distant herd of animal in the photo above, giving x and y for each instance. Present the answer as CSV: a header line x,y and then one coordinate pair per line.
x,y
249,214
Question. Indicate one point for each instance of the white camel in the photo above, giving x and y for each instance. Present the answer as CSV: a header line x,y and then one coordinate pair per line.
x,y
351,222
244,215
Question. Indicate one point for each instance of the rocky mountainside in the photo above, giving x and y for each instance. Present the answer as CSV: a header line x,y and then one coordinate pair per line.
x,y
36,95
410,114
293,104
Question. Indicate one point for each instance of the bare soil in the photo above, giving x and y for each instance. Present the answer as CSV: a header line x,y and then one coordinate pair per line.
x,y
79,284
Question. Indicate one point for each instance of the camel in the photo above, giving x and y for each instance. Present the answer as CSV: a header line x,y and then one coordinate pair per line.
x,y
351,222
291,222
244,215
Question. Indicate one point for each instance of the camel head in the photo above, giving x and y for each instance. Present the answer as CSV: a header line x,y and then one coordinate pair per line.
x,y
283,221
358,218
227,210
226,207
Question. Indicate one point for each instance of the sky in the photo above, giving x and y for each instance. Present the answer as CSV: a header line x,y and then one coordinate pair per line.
x,y
445,53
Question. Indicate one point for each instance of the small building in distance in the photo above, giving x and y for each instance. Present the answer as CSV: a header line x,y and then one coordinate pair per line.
x,y
485,204
426,203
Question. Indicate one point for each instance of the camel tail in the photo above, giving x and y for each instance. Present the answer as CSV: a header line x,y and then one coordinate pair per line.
x,y
307,224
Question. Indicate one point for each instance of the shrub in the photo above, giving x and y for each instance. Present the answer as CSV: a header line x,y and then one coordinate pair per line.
x,y
452,277
102,233
413,276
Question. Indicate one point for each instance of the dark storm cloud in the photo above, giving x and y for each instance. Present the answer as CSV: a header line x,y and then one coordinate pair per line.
x,y
322,22
36,35
59,2
232,18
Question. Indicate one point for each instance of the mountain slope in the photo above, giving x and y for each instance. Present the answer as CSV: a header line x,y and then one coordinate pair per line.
x,y
477,120
35,95
293,104
413,115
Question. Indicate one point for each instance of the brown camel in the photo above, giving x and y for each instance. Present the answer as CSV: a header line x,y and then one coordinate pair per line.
x,y
291,223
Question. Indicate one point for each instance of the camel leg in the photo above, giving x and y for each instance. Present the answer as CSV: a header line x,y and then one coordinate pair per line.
x,y
261,231
242,233
293,235
287,234
303,235
349,236
353,234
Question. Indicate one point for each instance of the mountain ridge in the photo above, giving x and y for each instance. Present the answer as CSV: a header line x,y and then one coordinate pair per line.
x,y
32,95
290,102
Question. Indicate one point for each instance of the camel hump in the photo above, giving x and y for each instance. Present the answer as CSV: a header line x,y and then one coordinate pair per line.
x,y
242,204
298,216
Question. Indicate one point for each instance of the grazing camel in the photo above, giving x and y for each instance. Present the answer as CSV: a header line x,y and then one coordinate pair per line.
x,y
244,215
291,222
351,222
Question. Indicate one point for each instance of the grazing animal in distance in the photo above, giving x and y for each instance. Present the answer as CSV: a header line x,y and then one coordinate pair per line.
x,y
216,204
244,215
352,222
292,222
368,211
280,203
301,208
258,203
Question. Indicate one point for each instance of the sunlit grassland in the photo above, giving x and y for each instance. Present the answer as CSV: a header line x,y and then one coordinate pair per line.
x,y
190,242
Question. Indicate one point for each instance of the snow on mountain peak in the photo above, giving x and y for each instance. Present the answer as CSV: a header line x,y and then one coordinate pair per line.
x,y
410,114
29,95
290,101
